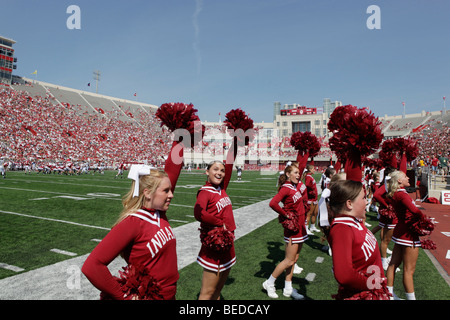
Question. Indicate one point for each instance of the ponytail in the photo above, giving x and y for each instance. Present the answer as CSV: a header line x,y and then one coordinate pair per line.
x,y
283,178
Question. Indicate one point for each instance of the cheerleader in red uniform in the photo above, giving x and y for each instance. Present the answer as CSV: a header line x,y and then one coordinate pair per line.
x,y
406,239
214,211
143,237
292,217
387,220
356,258
311,189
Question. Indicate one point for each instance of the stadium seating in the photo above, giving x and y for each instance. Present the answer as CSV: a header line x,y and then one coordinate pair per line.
x,y
41,121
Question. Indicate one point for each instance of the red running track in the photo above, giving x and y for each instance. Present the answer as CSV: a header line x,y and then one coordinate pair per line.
x,y
441,232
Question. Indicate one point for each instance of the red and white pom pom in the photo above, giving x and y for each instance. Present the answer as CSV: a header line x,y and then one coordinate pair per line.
x,y
241,125
388,154
181,116
356,134
136,283
388,212
355,128
306,142
428,244
419,225
290,222
218,239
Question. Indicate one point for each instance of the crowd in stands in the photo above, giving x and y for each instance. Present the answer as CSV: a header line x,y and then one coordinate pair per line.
x,y
434,139
406,126
38,131
434,145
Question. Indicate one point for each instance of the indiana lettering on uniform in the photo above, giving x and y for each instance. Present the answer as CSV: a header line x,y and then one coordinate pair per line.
x,y
369,245
222,203
159,240
296,196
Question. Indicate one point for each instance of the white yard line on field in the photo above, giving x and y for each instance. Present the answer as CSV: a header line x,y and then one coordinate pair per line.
x,y
54,220
43,191
64,252
10,267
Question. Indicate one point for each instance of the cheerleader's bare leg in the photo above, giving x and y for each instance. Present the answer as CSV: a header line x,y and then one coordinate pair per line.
x,y
396,260
386,237
212,284
410,255
291,256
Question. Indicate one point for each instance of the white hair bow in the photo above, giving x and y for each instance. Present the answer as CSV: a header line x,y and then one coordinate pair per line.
x,y
386,182
137,170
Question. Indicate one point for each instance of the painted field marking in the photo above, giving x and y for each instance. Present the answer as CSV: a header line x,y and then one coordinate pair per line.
x,y
10,267
319,259
174,220
54,220
42,191
72,198
64,252
446,233
310,277
448,255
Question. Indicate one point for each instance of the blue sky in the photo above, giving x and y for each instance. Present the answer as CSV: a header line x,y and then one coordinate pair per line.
x,y
225,54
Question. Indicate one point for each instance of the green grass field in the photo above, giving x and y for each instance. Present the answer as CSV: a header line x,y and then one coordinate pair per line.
x,y
39,213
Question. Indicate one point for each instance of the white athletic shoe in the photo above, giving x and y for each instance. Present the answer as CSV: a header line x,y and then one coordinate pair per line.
x,y
293,293
270,290
385,263
309,231
395,297
297,269
314,229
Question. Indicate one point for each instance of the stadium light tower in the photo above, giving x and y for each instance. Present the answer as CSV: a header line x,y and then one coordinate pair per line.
x,y
97,79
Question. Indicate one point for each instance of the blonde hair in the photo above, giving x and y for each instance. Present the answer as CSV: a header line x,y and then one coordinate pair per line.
x,y
337,177
132,204
376,176
392,184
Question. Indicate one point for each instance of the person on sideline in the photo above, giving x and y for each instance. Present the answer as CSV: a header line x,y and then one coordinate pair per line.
x,y
387,218
407,243
214,211
324,222
356,258
312,193
292,217
143,237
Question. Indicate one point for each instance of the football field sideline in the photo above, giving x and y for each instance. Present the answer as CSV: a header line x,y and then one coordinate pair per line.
x,y
64,280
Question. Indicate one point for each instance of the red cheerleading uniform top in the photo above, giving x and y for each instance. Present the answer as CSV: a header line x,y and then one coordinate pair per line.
x,y
213,207
146,239
311,187
355,249
380,196
403,205
292,198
